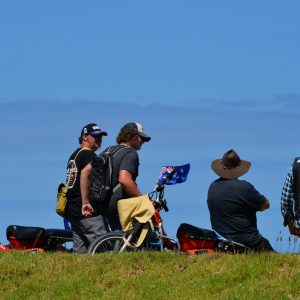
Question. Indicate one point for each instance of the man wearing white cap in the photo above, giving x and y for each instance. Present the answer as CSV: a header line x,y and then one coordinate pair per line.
x,y
125,171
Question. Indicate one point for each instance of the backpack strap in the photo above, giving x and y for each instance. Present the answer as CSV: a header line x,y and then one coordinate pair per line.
x,y
296,186
112,155
69,176
116,151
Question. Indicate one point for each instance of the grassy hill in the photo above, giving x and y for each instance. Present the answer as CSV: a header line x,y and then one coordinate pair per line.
x,y
149,275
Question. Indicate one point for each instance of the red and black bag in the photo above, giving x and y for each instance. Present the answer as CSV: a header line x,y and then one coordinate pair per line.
x,y
23,237
194,239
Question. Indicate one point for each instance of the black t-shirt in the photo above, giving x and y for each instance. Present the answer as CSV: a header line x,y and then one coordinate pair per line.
x,y
125,159
74,168
233,205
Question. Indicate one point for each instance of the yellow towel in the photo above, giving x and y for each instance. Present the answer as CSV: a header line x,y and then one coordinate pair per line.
x,y
139,208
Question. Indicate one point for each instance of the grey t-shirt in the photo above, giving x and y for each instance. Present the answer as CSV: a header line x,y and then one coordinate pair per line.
x,y
125,159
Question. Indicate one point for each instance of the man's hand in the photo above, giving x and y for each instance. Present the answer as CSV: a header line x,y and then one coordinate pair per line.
x,y
294,230
87,210
265,205
289,220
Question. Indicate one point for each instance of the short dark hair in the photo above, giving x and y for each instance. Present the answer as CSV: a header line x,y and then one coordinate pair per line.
x,y
126,134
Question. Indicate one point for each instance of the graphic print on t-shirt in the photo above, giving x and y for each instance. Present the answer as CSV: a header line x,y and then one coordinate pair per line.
x,y
72,171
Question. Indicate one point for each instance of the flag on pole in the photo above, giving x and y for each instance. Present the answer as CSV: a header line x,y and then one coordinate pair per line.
x,y
179,177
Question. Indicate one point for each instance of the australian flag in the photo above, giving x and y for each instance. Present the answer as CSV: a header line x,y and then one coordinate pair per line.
x,y
179,177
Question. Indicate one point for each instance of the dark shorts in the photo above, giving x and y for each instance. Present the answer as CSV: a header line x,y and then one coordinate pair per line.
x,y
263,245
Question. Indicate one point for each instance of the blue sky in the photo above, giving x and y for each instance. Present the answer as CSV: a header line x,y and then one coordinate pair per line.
x,y
202,77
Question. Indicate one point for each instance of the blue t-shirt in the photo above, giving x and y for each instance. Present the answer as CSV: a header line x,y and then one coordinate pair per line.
x,y
233,204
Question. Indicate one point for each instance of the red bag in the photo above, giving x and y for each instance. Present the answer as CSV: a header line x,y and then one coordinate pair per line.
x,y
192,239
23,237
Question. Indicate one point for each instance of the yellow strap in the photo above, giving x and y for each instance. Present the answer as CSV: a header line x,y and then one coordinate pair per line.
x,y
69,177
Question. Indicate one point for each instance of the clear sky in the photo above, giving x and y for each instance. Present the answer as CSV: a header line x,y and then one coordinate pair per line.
x,y
201,76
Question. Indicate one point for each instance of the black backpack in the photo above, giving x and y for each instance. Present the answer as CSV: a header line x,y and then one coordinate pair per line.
x,y
100,179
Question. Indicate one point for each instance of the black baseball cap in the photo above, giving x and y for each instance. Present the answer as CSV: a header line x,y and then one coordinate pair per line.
x,y
93,130
140,130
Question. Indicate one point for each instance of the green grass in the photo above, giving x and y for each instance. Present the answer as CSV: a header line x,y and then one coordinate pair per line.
x,y
151,275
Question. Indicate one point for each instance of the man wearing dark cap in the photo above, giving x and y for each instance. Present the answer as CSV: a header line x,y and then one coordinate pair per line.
x,y
125,171
233,203
85,230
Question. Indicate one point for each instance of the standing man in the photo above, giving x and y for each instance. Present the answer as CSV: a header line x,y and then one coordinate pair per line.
x,y
125,171
85,230
290,198
233,203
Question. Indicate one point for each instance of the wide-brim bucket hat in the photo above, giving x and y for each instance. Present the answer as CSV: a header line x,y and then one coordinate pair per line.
x,y
230,166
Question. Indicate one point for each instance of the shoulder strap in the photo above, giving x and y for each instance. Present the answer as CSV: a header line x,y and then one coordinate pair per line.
x,y
112,155
84,148
69,177
118,150
296,186
113,150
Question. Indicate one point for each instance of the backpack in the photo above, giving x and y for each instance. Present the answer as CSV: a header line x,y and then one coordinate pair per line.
x,y
296,186
100,179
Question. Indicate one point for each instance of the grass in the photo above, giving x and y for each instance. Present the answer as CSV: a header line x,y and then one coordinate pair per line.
x,y
149,275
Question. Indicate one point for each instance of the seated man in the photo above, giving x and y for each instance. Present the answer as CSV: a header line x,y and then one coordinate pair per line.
x,y
233,203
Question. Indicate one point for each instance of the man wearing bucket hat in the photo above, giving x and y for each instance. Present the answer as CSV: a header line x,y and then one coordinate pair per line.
x,y
84,230
233,203
124,173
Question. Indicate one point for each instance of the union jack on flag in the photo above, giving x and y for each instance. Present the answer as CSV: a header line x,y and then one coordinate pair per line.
x,y
179,177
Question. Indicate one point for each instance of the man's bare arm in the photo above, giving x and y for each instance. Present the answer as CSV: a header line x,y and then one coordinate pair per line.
x,y
128,184
86,209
